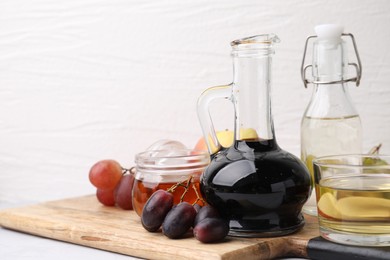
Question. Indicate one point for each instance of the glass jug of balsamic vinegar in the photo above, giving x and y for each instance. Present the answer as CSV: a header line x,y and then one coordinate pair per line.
x,y
256,185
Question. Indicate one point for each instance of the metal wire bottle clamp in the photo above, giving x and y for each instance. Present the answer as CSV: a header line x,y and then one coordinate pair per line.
x,y
358,67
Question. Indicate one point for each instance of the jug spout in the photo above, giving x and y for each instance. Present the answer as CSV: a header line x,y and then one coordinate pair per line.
x,y
254,44
257,39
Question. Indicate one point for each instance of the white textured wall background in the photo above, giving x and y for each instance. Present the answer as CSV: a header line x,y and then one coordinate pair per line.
x,y
83,80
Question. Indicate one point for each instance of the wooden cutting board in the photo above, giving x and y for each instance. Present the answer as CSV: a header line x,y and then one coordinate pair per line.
x,y
86,222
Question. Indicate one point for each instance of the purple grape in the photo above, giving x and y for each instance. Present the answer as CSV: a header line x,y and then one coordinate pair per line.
x,y
179,220
211,230
156,209
122,193
197,207
206,212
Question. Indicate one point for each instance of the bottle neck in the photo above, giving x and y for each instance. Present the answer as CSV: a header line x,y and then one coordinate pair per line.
x,y
251,97
330,97
331,101
329,61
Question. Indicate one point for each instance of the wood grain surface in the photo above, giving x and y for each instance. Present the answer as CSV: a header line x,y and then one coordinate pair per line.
x,y
84,221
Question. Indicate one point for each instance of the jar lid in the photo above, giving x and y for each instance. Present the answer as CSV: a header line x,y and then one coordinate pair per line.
x,y
172,161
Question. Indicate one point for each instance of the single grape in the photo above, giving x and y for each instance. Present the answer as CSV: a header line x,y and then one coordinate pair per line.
x,y
155,210
105,174
179,220
211,230
206,212
197,207
106,197
123,192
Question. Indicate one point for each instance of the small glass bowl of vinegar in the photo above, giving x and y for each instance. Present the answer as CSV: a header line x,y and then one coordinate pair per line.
x,y
353,198
162,169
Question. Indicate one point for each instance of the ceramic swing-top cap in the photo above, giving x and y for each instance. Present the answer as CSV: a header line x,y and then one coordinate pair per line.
x,y
328,59
329,31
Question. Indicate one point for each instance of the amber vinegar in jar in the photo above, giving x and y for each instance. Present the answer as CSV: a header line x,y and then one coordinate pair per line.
x,y
142,190
164,169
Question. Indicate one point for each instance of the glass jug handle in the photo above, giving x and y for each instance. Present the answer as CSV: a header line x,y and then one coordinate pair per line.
x,y
206,122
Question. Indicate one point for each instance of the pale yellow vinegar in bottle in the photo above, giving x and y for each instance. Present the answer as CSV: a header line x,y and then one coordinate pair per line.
x,y
328,136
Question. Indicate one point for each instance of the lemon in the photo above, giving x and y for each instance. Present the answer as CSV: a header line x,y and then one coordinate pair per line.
x,y
248,134
363,208
328,205
225,138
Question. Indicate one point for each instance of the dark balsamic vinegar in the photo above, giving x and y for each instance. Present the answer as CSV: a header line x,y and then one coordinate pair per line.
x,y
259,187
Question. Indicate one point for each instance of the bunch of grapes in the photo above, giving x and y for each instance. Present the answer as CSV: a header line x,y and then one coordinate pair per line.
x,y
114,184
177,220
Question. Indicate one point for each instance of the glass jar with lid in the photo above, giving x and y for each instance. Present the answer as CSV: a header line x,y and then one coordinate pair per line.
x,y
162,169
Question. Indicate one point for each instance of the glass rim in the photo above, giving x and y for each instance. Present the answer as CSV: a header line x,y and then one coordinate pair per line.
x,y
260,39
330,161
254,46
183,153
188,159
